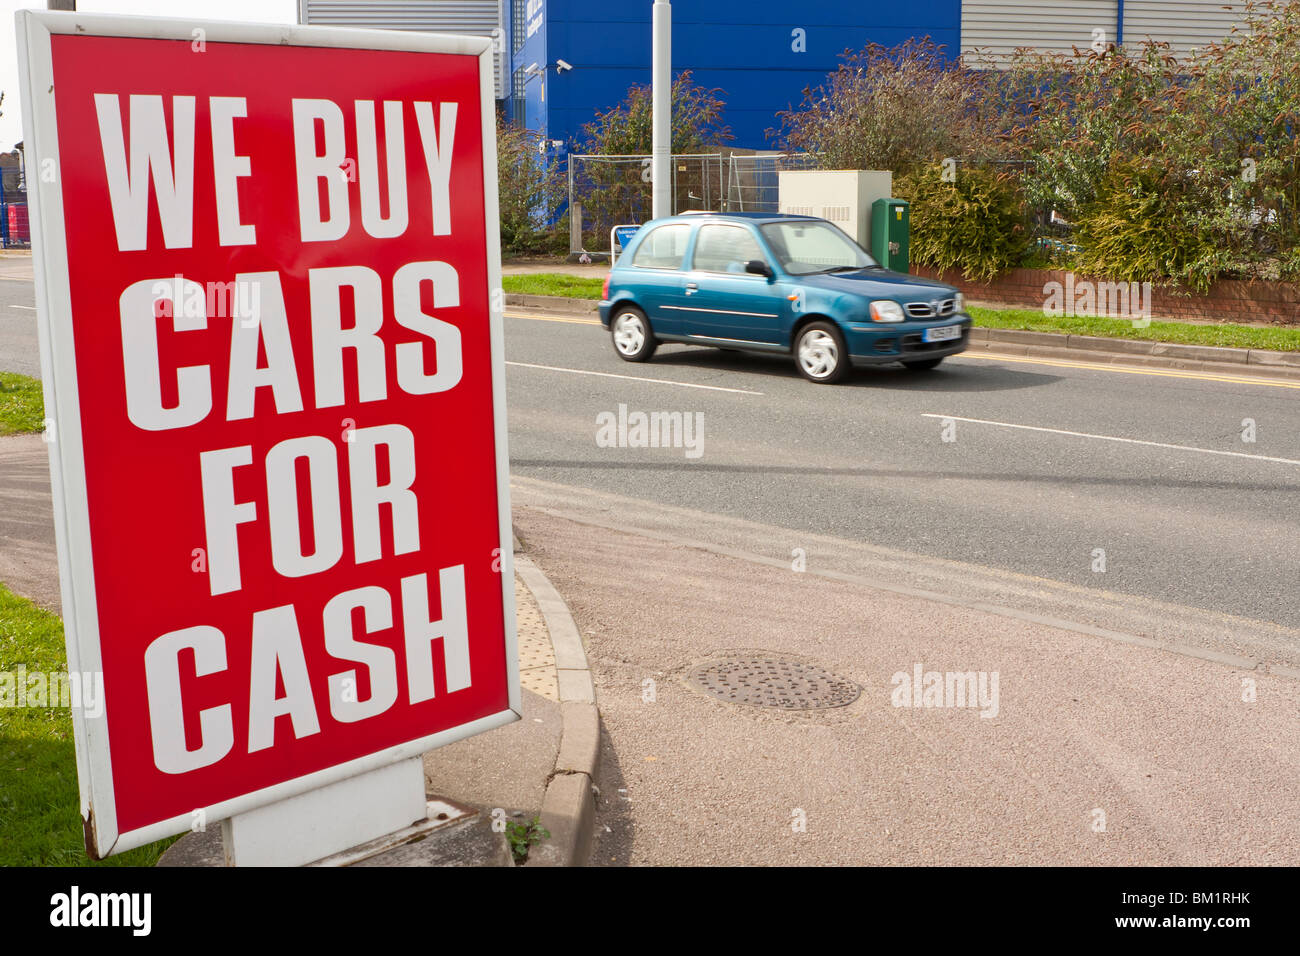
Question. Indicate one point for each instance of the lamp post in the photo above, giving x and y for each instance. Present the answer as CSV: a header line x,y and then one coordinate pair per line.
x,y
661,79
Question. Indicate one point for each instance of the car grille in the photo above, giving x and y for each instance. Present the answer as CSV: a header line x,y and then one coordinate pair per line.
x,y
930,310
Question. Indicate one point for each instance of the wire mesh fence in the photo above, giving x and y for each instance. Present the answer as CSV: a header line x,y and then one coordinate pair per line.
x,y
15,228
752,181
608,191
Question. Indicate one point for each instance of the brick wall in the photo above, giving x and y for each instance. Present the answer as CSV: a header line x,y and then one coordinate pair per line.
x,y
1229,300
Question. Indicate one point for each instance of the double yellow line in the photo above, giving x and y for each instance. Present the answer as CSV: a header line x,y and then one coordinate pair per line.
x,y
1130,370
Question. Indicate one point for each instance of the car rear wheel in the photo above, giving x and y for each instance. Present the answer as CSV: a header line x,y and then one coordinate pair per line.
x,y
923,365
631,335
820,353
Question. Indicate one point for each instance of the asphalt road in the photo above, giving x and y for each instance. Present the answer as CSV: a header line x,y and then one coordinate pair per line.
x,y
19,349
1052,461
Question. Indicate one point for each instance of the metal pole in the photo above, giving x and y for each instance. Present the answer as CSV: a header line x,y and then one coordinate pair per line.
x,y
661,78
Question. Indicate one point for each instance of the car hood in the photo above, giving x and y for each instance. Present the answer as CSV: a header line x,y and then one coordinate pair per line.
x,y
878,284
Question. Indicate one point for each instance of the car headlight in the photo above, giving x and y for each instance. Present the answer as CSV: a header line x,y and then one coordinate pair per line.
x,y
886,310
959,303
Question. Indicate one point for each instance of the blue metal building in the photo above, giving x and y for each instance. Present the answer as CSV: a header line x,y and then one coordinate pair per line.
x,y
761,53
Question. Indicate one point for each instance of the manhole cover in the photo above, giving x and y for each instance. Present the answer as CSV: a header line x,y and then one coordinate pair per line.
x,y
773,682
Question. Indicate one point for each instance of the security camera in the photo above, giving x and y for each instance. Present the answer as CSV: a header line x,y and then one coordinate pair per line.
x,y
562,65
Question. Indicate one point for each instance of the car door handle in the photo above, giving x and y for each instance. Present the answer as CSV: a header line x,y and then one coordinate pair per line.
x,y
692,288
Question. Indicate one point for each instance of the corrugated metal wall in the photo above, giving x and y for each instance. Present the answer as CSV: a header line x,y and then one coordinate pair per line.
x,y
1182,24
998,27
467,17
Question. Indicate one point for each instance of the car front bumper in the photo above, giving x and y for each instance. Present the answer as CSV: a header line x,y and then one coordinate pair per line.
x,y
903,341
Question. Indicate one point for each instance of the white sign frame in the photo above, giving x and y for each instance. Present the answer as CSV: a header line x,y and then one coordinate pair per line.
x,y
34,30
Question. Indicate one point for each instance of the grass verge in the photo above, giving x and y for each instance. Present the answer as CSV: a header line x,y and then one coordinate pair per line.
x,y
40,817
1183,333
548,283
22,406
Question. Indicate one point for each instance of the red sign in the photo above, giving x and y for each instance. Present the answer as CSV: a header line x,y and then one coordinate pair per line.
x,y
276,382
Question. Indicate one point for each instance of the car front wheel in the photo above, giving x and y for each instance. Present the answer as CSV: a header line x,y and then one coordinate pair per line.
x,y
820,353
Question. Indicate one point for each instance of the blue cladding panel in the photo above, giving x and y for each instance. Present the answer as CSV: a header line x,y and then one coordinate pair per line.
x,y
743,47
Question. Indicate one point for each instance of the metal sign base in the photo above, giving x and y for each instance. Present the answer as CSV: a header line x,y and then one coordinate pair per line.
x,y
341,823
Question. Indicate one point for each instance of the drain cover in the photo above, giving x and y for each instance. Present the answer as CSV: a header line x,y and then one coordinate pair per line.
x,y
765,681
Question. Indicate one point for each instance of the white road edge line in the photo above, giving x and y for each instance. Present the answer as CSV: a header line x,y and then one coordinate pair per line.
x,y
635,378
29,308
1127,441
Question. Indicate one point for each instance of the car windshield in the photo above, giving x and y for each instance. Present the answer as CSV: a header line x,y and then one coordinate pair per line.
x,y
806,246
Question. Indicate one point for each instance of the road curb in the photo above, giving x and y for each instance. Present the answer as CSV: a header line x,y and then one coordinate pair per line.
x,y
1090,348
569,805
552,303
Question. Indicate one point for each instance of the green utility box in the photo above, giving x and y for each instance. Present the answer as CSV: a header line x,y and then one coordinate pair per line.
x,y
889,225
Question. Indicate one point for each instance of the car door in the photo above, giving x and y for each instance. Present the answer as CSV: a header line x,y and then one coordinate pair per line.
x,y
657,275
726,302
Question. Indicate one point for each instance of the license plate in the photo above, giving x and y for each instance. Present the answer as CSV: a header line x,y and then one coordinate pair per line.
x,y
941,334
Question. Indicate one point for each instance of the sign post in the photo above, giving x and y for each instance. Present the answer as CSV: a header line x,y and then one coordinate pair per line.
x,y
272,355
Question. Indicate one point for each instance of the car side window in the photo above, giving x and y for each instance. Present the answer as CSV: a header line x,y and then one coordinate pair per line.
x,y
664,247
725,249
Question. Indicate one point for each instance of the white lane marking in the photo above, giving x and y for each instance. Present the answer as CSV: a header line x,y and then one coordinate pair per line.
x,y
636,378
28,308
1127,441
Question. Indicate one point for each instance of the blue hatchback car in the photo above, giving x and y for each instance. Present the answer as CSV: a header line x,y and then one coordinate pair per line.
x,y
794,285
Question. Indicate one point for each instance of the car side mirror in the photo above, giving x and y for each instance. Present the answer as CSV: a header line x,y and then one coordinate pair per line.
x,y
758,267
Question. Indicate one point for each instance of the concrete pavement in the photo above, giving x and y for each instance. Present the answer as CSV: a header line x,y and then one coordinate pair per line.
x,y
29,563
1101,752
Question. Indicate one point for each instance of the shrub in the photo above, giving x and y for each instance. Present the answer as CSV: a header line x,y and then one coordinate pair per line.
x,y
1175,169
628,128
891,108
620,191
531,189
974,224
1141,227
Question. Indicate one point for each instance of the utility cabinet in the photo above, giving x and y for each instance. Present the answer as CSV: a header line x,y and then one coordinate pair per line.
x,y
842,196
889,231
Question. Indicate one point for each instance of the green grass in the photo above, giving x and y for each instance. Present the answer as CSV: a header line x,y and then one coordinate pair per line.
x,y
40,818
548,283
1185,333
22,407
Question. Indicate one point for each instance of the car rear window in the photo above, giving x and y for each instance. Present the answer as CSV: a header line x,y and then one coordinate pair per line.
x,y
664,247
